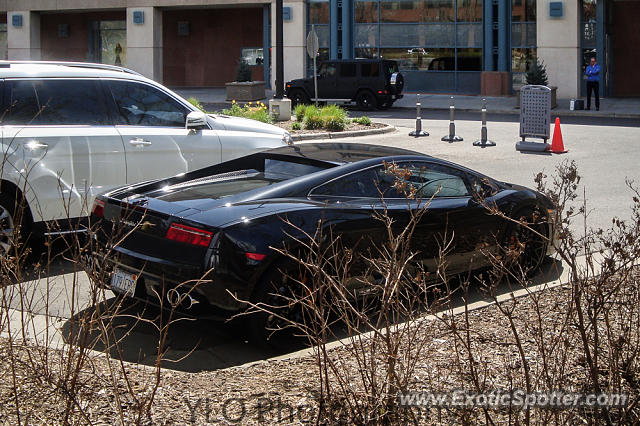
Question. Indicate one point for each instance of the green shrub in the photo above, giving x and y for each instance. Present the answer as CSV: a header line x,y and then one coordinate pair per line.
x,y
196,103
334,123
257,112
296,125
333,111
313,122
364,120
299,112
330,117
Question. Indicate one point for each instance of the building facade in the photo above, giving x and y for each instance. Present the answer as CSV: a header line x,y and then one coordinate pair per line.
x,y
447,46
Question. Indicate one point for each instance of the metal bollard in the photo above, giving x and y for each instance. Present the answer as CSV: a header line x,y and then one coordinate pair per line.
x,y
418,131
451,137
483,142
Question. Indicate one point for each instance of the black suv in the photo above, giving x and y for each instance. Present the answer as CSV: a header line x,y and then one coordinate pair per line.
x,y
371,83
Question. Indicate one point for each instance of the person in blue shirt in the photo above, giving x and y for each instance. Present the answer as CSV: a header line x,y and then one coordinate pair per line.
x,y
593,83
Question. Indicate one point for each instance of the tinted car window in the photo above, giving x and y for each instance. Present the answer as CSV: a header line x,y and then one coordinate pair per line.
x,y
422,180
369,70
327,70
347,70
143,105
55,102
369,183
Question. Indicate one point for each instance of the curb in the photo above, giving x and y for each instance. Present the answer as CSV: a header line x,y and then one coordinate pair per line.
x,y
516,111
337,135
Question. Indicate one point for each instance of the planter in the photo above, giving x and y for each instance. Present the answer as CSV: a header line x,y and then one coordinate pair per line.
x,y
245,91
554,99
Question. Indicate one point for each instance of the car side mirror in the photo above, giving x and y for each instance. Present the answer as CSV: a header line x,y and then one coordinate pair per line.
x,y
196,120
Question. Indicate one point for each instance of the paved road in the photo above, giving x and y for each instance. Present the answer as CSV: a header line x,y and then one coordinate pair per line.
x,y
606,155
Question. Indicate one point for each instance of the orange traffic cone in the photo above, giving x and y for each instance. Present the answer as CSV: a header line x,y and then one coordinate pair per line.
x,y
557,146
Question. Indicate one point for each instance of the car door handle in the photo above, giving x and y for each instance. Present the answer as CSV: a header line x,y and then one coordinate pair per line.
x,y
139,142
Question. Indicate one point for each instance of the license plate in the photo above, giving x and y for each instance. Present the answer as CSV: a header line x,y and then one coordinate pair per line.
x,y
123,282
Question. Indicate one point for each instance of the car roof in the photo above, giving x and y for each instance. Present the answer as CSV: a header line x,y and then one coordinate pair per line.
x,y
341,153
50,69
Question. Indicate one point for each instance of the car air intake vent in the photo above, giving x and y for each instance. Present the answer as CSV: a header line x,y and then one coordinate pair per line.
x,y
216,178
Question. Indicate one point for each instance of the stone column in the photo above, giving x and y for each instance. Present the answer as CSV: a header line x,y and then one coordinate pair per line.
x,y
294,36
559,47
23,41
144,42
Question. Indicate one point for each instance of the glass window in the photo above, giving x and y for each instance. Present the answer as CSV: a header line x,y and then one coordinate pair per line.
x,y
523,10
142,105
521,61
252,55
369,183
347,70
369,70
469,59
417,11
469,11
366,11
327,70
422,179
55,102
3,41
422,59
318,12
113,42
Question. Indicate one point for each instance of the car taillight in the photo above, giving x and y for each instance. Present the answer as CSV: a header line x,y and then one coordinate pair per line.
x,y
255,256
98,208
189,235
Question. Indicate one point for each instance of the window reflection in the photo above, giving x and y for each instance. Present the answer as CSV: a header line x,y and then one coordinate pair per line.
x,y
417,11
318,12
523,10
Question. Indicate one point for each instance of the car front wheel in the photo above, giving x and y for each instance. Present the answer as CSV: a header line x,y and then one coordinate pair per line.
x,y
10,221
298,97
525,243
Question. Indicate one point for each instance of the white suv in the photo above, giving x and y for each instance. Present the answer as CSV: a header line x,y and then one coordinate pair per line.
x,y
73,130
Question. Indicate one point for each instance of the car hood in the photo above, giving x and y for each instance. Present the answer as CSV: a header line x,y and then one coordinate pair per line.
x,y
226,122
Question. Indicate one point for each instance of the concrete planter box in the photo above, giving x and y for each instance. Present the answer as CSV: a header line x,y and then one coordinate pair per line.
x,y
245,91
554,99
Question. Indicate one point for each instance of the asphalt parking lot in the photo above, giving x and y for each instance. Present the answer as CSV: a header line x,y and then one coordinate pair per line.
x,y
605,153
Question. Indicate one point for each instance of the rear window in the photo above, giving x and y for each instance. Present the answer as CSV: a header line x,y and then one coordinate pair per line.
x,y
55,102
370,70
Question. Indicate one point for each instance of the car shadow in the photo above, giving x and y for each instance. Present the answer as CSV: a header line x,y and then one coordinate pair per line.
x,y
133,331
194,345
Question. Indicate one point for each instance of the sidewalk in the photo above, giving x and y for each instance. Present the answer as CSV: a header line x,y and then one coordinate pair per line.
x,y
215,99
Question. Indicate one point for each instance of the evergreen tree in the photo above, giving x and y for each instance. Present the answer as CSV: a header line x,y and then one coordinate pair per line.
x,y
537,74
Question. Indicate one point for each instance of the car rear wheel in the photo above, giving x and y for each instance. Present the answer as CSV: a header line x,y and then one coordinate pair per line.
x,y
298,97
525,244
366,100
276,292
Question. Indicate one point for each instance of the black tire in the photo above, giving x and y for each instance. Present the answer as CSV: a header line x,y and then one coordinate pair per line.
x,y
525,243
273,289
14,222
366,100
298,97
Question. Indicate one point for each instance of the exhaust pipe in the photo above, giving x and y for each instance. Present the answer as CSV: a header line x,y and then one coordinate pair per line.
x,y
184,300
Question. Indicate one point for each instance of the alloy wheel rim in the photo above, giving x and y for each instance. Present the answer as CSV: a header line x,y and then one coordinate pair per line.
x,y
6,230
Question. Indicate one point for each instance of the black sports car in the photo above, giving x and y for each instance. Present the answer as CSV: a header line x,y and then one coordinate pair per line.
x,y
220,224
